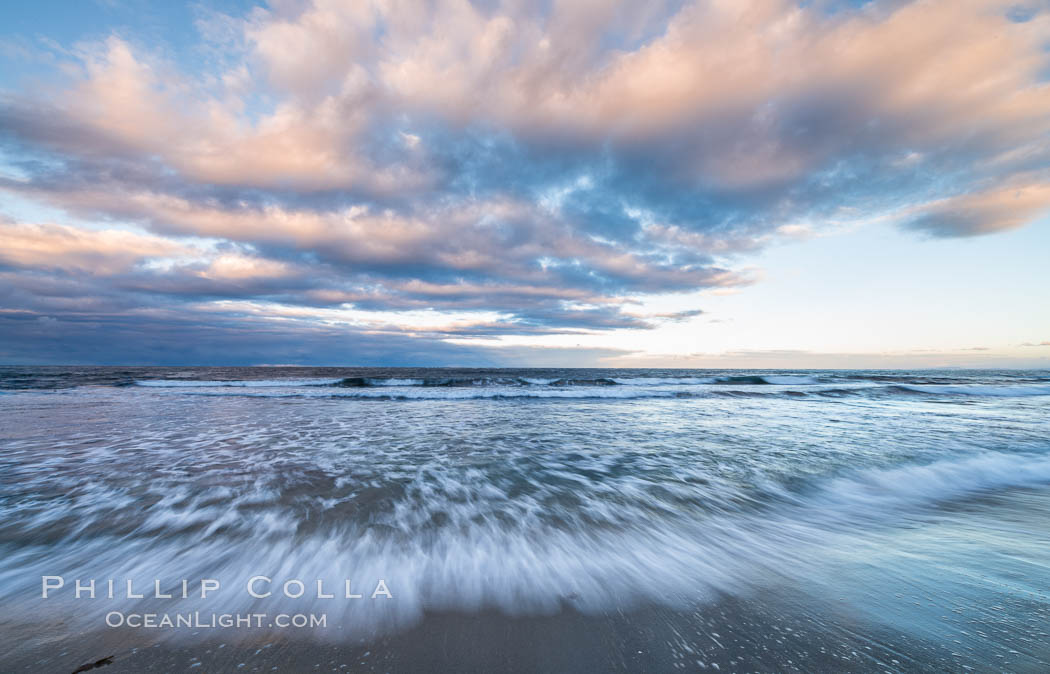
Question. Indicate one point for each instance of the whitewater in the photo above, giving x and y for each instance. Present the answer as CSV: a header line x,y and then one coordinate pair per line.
x,y
532,494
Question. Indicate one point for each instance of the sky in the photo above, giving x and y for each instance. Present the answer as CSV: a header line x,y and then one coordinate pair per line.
x,y
765,184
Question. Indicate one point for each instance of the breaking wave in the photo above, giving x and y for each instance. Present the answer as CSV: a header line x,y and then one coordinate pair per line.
x,y
491,382
982,390
612,391
241,383
471,544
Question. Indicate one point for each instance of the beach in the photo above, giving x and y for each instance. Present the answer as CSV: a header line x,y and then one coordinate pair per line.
x,y
524,520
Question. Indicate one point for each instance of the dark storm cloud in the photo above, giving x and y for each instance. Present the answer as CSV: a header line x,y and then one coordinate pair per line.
x,y
210,340
181,338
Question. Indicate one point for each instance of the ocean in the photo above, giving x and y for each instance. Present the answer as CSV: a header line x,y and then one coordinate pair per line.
x,y
525,520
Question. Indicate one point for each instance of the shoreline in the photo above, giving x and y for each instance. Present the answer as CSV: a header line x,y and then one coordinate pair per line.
x,y
763,633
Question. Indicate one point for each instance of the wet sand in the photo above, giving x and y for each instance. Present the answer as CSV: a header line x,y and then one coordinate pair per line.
x,y
730,635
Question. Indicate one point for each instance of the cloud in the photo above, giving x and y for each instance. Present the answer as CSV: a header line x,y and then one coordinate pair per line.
x,y
169,337
993,210
239,267
72,249
1047,343
544,168
506,255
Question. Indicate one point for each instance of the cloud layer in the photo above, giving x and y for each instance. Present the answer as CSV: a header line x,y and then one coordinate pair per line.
x,y
441,169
